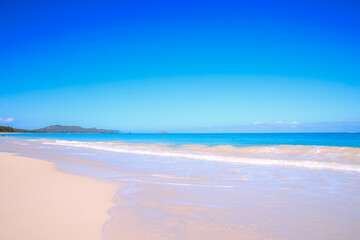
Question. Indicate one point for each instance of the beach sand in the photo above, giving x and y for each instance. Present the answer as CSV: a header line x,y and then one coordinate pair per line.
x,y
155,198
39,202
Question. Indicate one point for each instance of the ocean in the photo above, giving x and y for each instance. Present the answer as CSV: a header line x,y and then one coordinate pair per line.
x,y
234,139
331,151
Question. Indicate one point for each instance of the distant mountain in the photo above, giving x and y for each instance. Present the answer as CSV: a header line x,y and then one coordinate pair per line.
x,y
58,129
71,129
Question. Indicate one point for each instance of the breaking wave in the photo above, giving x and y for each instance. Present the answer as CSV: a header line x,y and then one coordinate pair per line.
x,y
298,156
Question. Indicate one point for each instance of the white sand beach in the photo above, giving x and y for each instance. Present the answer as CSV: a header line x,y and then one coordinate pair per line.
x,y
39,202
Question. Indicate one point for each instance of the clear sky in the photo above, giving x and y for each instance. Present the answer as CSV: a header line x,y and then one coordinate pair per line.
x,y
181,66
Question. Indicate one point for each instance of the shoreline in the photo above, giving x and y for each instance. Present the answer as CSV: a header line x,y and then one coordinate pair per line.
x,y
176,198
40,202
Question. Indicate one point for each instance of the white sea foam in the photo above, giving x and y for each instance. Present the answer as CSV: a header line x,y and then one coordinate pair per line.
x,y
179,184
165,176
220,157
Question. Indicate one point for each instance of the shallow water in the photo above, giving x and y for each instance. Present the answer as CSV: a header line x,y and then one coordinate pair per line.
x,y
212,139
309,157
181,197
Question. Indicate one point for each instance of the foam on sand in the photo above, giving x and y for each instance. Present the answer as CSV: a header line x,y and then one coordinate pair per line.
x,y
308,157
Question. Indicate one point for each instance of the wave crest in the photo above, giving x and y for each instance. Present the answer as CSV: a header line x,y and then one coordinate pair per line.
x,y
298,156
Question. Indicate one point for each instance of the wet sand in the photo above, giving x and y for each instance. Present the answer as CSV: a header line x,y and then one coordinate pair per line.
x,y
177,198
39,202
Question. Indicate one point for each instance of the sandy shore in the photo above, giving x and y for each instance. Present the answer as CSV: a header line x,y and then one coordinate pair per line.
x,y
39,202
167,198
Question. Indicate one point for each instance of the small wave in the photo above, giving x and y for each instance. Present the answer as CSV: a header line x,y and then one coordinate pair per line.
x,y
179,184
251,155
176,177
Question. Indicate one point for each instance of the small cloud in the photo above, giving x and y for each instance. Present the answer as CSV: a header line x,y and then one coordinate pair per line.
x,y
6,120
294,122
279,122
257,123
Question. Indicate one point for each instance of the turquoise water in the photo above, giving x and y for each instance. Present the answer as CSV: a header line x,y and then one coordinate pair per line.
x,y
235,139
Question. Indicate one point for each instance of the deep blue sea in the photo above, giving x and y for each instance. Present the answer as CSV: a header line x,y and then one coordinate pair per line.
x,y
213,139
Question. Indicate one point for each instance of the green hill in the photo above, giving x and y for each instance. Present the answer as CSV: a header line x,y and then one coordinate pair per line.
x,y
11,129
58,129
71,129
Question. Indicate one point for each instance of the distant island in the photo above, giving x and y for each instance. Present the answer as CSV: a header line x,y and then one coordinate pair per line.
x,y
162,132
58,129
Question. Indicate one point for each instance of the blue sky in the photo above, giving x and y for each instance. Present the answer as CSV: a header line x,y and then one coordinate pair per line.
x,y
181,66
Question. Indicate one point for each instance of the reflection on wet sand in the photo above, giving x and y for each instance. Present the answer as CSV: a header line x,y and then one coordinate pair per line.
x,y
179,198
